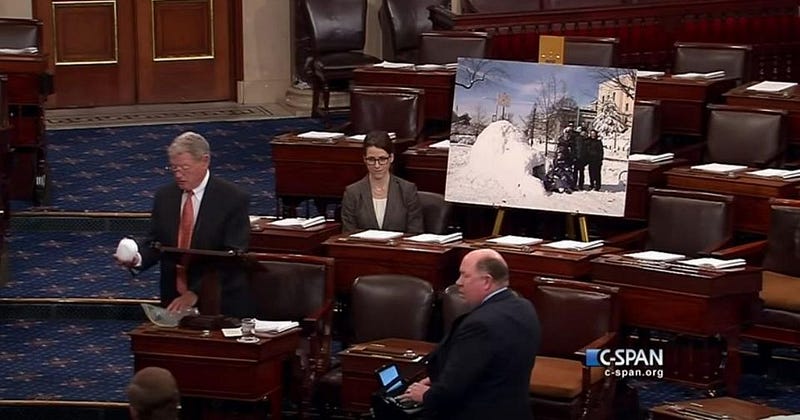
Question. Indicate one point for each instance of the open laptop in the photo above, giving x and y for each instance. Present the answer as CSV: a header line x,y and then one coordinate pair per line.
x,y
393,385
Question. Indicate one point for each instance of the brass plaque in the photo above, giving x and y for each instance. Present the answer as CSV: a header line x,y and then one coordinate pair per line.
x,y
551,49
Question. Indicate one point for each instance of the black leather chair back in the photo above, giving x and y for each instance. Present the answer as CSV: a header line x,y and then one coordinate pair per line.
x,y
290,290
392,109
19,33
646,130
453,306
703,57
337,25
591,51
563,305
745,136
688,222
435,212
402,22
783,240
391,305
446,46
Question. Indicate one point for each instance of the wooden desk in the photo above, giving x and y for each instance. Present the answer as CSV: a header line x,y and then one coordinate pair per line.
x,y
526,263
426,167
642,176
358,369
268,238
683,101
788,100
701,303
751,193
725,406
438,86
216,367
437,264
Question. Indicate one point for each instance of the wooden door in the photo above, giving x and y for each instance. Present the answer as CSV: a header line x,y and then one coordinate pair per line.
x,y
122,52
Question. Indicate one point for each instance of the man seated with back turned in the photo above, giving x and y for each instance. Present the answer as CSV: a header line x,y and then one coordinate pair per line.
x,y
481,370
153,395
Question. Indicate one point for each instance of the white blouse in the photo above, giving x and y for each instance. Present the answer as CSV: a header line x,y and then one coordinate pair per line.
x,y
380,210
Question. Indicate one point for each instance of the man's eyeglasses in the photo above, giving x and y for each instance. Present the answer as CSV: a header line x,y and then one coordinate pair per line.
x,y
383,160
177,168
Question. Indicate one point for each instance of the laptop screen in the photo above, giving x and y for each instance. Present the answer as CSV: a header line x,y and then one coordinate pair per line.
x,y
390,378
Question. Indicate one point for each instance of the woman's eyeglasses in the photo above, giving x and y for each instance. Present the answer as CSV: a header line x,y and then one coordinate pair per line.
x,y
383,160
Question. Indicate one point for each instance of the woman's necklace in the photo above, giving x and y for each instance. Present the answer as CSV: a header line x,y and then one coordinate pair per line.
x,y
379,191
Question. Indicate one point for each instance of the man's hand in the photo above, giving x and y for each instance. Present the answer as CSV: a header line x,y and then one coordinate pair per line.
x,y
184,301
128,263
417,390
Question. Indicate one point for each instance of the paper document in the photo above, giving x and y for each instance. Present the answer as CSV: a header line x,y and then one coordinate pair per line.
x,y
451,66
127,250
361,137
656,256
719,168
444,144
438,239
320,135
641,157
514,240
709,75
429,67
771,87
574,245
299,222
648,73
231,332
781,173
274,327
715,263
391,65
378,235
254,219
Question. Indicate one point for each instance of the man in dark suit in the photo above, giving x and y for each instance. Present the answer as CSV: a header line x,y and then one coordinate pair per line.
x,y
481,370
216,219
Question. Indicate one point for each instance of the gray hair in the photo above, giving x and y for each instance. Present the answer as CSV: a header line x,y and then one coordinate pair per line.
x,y
191,143
495,267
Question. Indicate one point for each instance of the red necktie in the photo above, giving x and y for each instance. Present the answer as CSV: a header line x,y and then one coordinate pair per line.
x,y
185,240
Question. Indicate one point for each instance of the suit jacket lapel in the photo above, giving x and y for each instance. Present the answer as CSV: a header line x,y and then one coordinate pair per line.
x,y
393,198
367,207
208,196
173,215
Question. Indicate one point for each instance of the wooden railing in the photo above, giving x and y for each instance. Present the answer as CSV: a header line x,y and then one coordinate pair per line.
x,y
647,32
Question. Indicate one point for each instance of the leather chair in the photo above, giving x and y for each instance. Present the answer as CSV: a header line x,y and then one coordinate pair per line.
x,y
444,47
382,306
393,109
453,306
745,136
646,130
703,57
291,287
591,51
574,316
337,29
690,223
498,6
402,22
435,212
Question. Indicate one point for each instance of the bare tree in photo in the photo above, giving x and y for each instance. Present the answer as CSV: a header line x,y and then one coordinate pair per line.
x,y
473,71
548,104
621,79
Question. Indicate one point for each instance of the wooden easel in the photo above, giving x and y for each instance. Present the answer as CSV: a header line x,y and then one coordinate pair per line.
x,y
583,229
498,221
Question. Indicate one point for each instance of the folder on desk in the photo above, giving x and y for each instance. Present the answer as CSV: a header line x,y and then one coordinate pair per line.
x,y
437,239
715,263
514,240
710,75
780,173
641,157
656,256
771,87
570,245
647,73
377,235
275,327
320,135
391,65
361,137
299,222
719,168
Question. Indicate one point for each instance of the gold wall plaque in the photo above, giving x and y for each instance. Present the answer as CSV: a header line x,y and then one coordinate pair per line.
x,y
551,49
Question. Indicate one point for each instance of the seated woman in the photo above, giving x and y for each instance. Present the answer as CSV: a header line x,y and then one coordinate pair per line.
x,y
381,200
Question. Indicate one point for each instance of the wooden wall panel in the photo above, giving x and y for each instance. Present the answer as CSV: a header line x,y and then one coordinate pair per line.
x,y
85,33
183,29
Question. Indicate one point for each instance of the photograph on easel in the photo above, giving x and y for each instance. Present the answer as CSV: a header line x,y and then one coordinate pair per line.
x,y
541,136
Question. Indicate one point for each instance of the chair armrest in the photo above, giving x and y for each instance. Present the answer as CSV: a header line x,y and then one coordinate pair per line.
x,y
343,128
442,17
748,251
627,240
315,323
715,247
606,340
692,152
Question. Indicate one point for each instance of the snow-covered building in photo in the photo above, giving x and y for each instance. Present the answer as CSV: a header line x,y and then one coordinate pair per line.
x,y
612,91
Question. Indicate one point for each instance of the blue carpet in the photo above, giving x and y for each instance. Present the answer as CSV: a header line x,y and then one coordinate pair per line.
x,y
119,169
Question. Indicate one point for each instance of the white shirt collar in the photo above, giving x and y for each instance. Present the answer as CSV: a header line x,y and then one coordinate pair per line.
x,y
198,192
493,293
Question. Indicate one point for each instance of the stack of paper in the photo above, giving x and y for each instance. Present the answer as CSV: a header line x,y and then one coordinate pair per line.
x,y
444,144
656,256
647,73
719,168
377,235
709,75
275,327
361,137
429,67
391,65
781,173
320,135
641,157
715,263
451,66
299,222
771,87
514,240
438,239
575,245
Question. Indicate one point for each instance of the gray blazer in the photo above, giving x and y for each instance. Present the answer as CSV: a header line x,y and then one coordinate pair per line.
x,y
403,212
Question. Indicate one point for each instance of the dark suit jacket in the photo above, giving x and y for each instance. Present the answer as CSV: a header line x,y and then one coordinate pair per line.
x,y
403,211
222,224
482,369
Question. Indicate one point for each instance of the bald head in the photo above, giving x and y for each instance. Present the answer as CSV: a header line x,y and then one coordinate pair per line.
x,y
153,394
482,272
